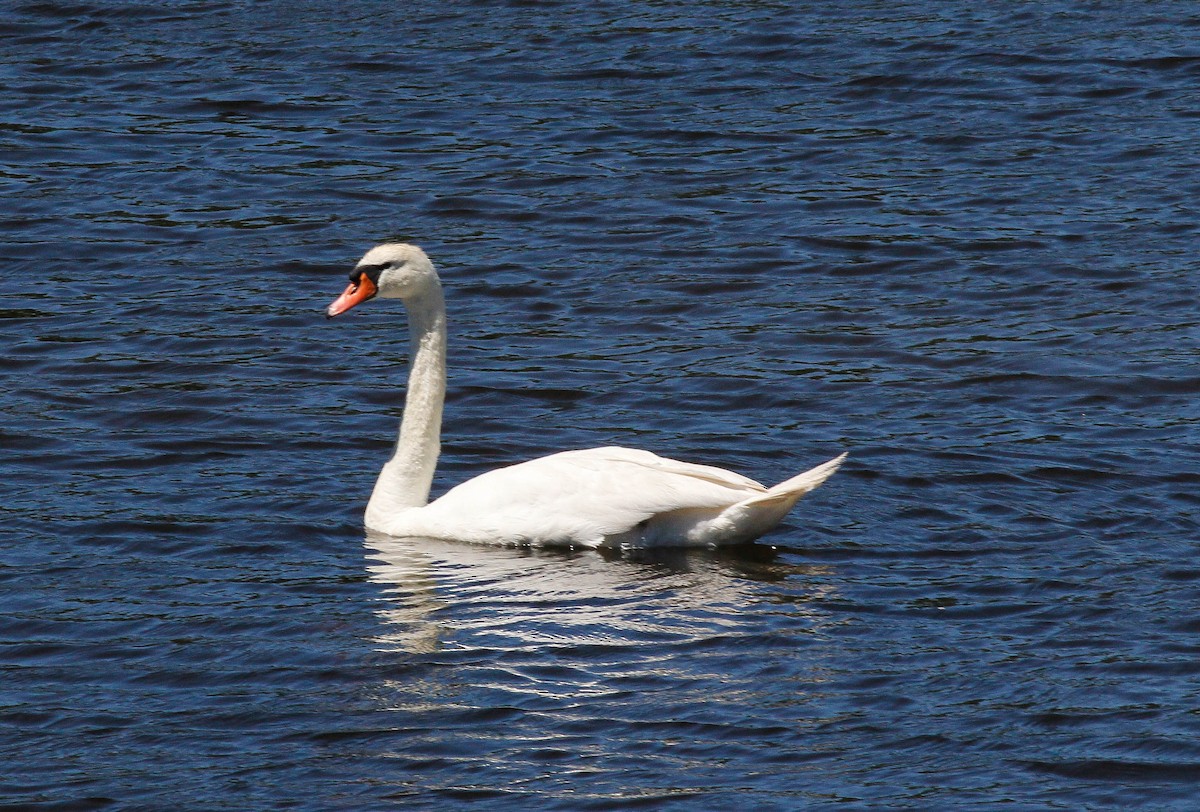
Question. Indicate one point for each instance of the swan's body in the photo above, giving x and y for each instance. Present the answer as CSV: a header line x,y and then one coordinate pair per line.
x,y
594,497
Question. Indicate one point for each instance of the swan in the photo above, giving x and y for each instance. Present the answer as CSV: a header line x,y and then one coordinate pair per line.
x,y
590,498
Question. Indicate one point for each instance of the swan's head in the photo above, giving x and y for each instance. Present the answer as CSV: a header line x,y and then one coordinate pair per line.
x,y
391,271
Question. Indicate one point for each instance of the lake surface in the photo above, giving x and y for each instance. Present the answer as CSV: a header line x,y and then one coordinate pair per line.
x,y
958,243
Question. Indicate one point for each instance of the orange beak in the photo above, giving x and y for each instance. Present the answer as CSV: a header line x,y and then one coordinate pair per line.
x,y
357,293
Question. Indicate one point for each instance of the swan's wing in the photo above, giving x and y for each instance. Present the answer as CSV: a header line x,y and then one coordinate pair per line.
x,y
612,458
582,495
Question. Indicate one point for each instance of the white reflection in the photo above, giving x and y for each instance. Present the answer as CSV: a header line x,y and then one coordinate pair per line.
x,y
437,593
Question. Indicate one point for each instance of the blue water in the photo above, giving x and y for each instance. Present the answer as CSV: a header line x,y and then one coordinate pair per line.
x,y
957,242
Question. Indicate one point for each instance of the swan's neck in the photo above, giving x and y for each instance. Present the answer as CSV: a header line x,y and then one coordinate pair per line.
x,y
405,480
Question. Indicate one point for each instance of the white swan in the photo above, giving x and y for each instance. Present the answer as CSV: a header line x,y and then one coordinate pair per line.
x,y
590,498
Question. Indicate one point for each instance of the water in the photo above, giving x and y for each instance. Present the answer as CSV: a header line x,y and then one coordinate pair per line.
x,y
958,243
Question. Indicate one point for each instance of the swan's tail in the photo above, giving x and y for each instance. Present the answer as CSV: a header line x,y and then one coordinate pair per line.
x,y
792,489
749,519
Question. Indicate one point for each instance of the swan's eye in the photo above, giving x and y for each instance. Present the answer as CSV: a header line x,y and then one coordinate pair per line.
x,y
372,272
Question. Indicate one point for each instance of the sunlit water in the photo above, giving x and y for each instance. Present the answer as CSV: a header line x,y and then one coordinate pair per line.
x,y
957,243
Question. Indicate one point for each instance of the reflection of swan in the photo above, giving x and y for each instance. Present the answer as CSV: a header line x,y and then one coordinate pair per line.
x,y
600,496
447,596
